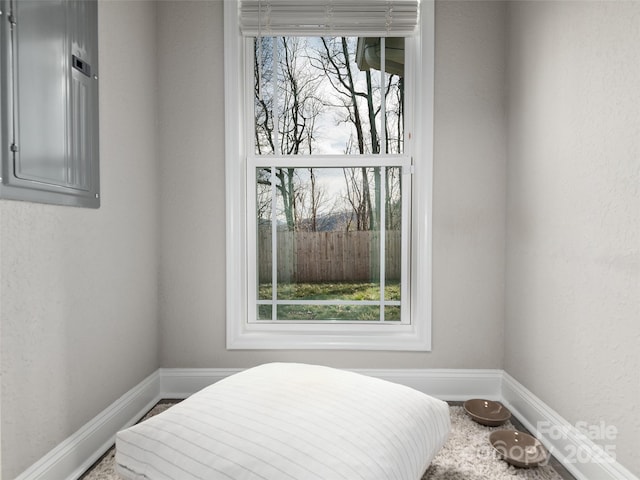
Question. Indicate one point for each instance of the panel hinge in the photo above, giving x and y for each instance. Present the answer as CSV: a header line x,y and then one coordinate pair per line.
x,y
14,148
408,170
12,19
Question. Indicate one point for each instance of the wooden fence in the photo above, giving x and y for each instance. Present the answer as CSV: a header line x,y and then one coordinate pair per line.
x,y
329,256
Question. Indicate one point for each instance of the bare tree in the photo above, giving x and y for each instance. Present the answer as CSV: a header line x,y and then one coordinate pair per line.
x,y
317,197
357,195
286,110
360,96
393,203
289,102
263,96
336,61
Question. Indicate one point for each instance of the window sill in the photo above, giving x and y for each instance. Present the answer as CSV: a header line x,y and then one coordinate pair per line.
x,y
389,337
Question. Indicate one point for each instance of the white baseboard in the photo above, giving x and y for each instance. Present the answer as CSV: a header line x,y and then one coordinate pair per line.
x,y
78,452
584,459
446,384
182,382
71,458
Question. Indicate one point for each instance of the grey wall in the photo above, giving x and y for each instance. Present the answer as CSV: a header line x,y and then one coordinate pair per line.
x,y
469,194
573,268
78,287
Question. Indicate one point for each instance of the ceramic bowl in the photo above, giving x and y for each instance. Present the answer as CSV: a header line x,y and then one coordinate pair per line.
x,y
518,448
487,412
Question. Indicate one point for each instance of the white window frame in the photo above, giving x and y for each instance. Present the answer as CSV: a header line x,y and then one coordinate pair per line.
x,y
242,334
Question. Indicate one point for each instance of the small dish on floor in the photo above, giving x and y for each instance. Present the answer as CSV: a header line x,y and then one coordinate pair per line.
x,y
487,412
518,448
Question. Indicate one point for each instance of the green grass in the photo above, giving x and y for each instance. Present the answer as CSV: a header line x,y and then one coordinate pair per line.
x,y
331,291
350,291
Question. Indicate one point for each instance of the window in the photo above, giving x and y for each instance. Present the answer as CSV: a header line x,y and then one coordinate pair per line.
x,y
328,174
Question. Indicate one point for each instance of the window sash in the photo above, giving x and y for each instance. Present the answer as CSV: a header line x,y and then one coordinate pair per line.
x,y
371,18
379,80
333,161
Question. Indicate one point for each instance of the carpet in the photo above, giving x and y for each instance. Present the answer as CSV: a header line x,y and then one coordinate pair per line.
x,y
467,455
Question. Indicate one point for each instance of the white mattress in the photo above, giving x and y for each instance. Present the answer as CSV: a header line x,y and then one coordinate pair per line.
x,y
285,421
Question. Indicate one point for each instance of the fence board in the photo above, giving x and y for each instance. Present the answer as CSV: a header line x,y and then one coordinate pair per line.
x,y
315,257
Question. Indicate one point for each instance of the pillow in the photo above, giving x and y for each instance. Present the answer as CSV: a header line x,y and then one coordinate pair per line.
x,y
289,421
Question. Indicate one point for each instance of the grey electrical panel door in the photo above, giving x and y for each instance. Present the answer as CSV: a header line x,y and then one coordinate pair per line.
x,y
49,99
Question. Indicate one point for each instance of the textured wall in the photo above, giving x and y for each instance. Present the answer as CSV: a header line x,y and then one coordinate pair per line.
x,y
573,268
78,287
469,194
78,296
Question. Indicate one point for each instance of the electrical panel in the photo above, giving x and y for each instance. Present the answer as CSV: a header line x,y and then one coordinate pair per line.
x,y
49,101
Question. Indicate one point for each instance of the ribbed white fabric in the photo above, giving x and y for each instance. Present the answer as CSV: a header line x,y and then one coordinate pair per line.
x,y
289,421
358,18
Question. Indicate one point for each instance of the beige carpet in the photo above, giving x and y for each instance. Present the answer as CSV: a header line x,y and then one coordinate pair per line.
x,y
467,455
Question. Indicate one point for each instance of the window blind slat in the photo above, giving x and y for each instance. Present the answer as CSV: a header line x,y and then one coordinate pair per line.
x,y
329,17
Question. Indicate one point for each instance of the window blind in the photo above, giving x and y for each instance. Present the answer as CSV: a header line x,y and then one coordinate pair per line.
x,y
378,18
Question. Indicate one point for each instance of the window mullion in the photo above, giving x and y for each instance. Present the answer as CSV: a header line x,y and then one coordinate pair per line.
x,y
274,247
383,238
276,98
274,203
383,99
407,232
383,172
